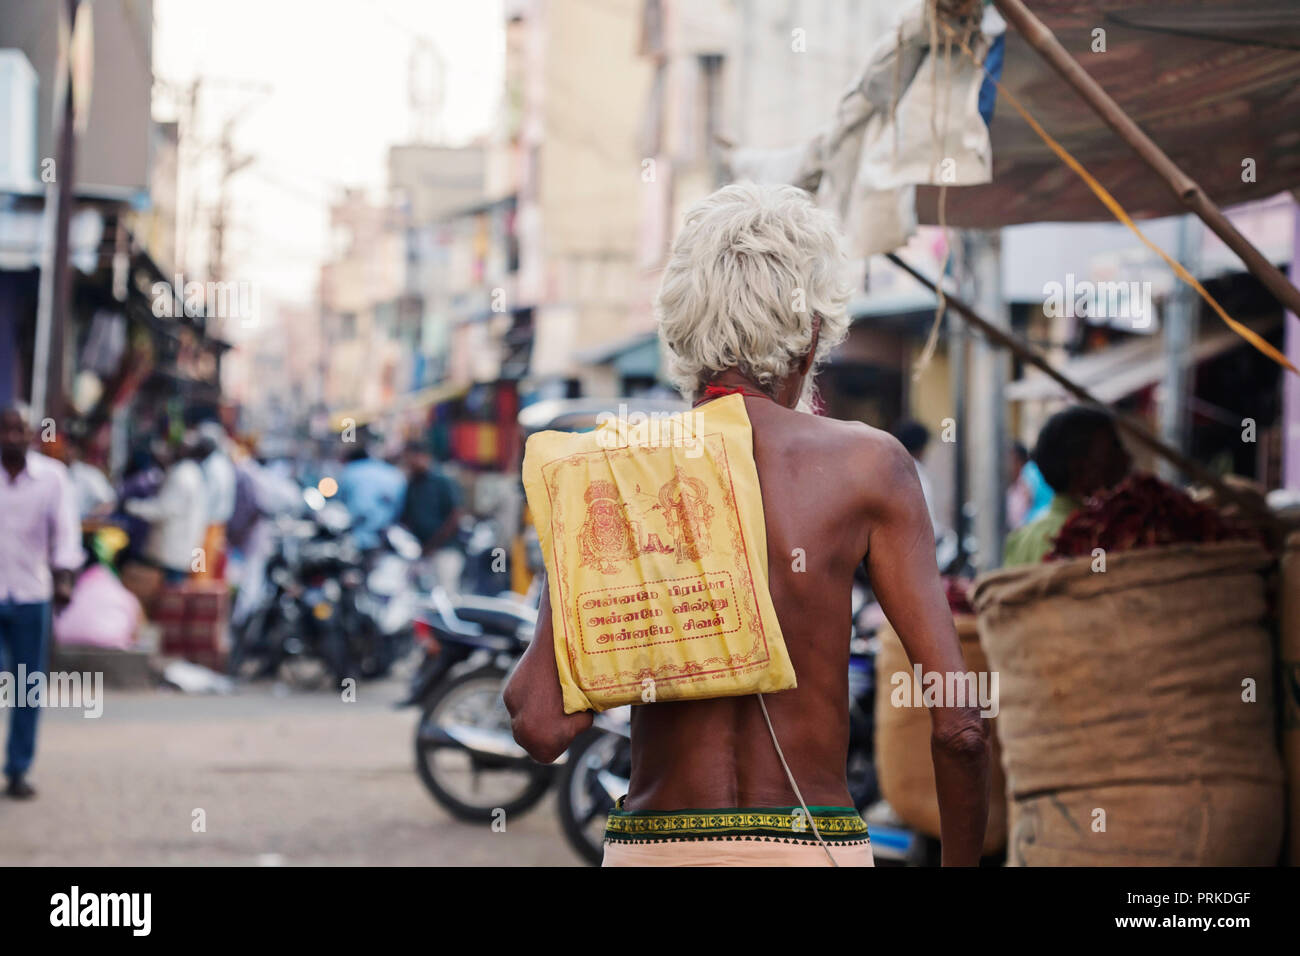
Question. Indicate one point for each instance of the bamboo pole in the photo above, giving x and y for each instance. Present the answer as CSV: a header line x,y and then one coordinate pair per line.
x,y
1128,424
1184,187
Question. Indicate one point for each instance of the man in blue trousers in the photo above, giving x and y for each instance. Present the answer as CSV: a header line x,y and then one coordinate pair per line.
x,y
40,551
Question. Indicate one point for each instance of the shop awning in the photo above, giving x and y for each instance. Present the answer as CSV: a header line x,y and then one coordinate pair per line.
x,y
1121,370
1213,82
23,233
634,355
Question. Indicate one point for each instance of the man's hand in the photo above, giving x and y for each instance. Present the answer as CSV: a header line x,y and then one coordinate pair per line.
x,y
905,579
63,582
534,698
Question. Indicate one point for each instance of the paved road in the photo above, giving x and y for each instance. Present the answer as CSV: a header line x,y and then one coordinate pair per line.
x,y
281,780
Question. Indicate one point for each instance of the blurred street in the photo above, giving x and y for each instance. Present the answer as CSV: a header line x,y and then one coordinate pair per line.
x,y
349,348
300,779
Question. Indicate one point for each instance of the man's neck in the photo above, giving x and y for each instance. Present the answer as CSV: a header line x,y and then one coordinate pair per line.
x,y
785,393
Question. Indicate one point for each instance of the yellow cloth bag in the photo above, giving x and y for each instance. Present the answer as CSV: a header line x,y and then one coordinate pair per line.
x,y
656,556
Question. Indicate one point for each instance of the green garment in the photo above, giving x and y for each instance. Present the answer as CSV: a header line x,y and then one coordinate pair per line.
x,y
1030,544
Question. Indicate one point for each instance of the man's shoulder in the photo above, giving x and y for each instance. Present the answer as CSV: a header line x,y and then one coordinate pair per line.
x,y
191,474
43,466
855,466
39,462
855,443
429,482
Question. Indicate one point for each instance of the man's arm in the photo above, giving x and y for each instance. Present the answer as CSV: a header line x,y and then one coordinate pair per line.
x,y
66,554
905,579
169,502
534,698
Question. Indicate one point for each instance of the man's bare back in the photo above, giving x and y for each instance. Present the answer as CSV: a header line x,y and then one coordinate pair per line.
x,y
718,753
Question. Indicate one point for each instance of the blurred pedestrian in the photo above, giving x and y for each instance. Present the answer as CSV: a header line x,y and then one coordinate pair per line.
x,y
431,509
1080,454
178,514
142,478
94,492
915,437
1028,495
262,492
219,480
373,491
40,553
245,511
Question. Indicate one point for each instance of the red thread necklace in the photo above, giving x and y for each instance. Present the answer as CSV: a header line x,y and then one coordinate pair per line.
x,y
718,391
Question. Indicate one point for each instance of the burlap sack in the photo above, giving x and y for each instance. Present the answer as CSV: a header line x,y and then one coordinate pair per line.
x,y
1129,685
1197,823
1289,651
903,763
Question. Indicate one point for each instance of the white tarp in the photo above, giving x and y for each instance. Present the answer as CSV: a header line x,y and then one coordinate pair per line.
x,y
910,118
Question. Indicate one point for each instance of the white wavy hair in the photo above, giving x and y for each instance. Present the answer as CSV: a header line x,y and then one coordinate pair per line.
x,y
750,268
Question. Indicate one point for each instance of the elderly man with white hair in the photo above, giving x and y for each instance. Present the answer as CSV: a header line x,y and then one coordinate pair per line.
x,y
752,299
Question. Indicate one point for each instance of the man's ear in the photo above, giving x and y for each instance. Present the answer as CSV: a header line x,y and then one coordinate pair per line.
x,y
806,363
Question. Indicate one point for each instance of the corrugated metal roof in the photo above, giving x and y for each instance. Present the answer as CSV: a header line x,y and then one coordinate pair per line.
x,y
1213,82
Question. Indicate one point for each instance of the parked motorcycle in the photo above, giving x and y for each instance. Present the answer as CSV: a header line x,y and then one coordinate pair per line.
x,y
465,753
483,544
388,602
309,621
595,773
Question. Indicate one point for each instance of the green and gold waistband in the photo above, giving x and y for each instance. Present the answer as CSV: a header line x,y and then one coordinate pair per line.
x,y
787,824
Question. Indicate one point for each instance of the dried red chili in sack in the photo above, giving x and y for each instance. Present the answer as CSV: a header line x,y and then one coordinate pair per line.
x,y
1142,512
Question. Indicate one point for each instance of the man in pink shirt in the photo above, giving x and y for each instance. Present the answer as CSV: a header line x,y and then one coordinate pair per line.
x,y
40,551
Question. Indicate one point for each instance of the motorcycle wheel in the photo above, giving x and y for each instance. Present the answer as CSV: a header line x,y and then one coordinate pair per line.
x,y
254,647
372,650
583,801
860,770
864,787
239,659
308,661
475,694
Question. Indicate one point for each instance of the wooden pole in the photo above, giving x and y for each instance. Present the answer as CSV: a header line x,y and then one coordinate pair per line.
x,y
986,426
54,297
1184,187
1129,425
